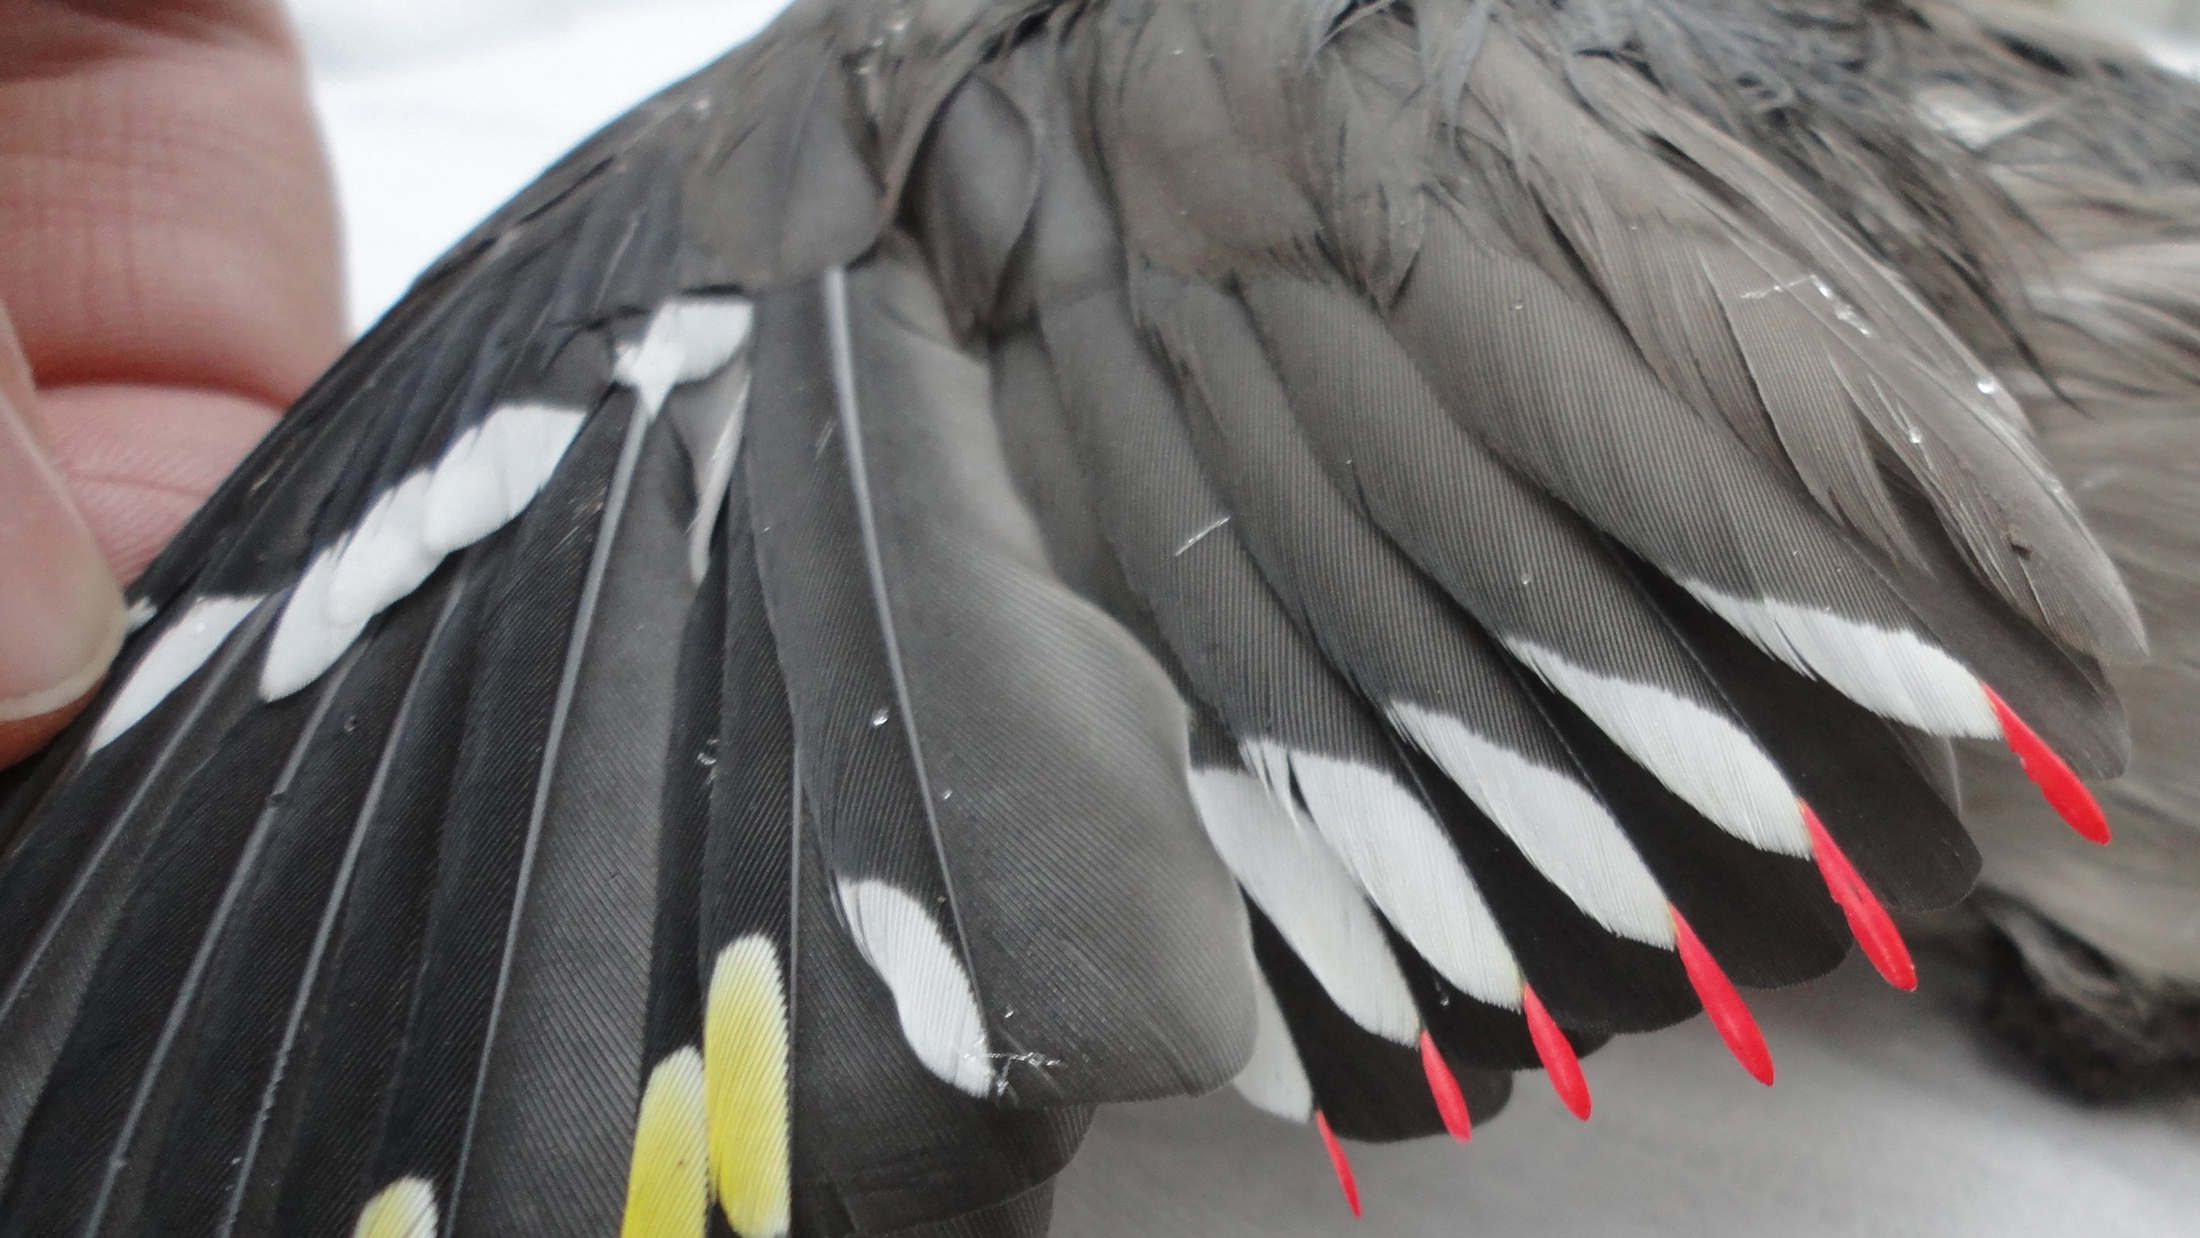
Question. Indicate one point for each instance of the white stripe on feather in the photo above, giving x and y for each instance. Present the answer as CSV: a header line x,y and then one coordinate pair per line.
x,y
1701,757
1273,1079
141,612
1893,674
485,478
1296,880
933,995
1402,858
306,641
1555,821
713,440
608,518
493,471
174,657
387,554
688,338
488,475
1973,119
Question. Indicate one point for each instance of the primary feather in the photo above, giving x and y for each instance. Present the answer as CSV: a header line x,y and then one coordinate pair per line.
x,y
975,560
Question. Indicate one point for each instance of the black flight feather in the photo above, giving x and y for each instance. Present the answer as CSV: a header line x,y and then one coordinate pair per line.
x,y
1367,1087
230,1053
877,1142
679,956
321,1101
1390,632
975,631
1234,640
1857,771
1764,916
76,910
573,988
880,1143
1010,673
1522,565
107,1091
429,1091
1587,976
1543,386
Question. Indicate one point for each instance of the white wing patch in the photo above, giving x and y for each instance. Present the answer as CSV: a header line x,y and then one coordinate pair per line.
x,y
1273,1078
1297,881
1402,858
486,477
493,471
937,1004
1700,756
710,427
174,657
386,556
688,338
1893,674
713,473
1562,828
306,641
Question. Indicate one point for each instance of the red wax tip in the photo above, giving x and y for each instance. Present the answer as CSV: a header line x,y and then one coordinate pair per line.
x,y
1728,1014
1445,1088
1557,1053
1338,1162
2065,794
1867,919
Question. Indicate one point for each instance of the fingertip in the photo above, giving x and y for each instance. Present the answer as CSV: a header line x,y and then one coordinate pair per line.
x,y
140,460
61,612
22,738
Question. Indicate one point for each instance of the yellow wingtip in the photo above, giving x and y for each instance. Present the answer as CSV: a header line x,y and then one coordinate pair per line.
x,y
404,1209
668,1188
745,1079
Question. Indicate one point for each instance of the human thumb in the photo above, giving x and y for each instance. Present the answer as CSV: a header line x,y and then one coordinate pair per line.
x,y
61,616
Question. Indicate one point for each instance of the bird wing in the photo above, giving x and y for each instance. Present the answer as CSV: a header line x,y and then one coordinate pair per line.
x,y
2095,150
975,560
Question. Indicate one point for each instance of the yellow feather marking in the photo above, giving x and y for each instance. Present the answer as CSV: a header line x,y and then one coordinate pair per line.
x,y
745,1076
668,1189
404,1209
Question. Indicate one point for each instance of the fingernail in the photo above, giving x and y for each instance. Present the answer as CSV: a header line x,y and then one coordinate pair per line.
x,y
61,616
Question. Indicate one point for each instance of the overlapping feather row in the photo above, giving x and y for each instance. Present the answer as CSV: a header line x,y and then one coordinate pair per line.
x,y
1355,552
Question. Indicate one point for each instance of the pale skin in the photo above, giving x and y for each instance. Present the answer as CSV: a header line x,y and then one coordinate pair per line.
x,y
169,282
